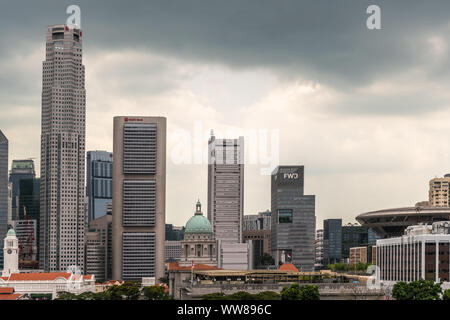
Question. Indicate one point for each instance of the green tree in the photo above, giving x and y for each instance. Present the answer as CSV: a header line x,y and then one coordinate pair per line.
x,y
164,280
291,293
417,290
446,295
156,293
241,295
214,296
267,295
309,292
63,295
129,290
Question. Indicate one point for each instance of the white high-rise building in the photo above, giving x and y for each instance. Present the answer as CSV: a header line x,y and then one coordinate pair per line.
x,y
11,254
226,188
62,215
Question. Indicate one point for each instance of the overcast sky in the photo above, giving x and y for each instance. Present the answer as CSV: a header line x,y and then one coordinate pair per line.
x,y
366,111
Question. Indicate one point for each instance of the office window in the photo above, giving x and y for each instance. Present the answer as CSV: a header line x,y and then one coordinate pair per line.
x,y
285,216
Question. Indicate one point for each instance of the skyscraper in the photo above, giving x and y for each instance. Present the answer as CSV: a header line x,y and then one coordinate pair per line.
x,y
20,170
332,236
62,151
139,192
98,183
293,219
3,190
226,188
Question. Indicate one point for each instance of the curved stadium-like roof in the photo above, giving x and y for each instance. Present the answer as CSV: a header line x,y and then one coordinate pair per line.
x,y
393,222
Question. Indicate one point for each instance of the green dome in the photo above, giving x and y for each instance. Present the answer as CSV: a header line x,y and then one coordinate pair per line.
x,y
11,232
198,224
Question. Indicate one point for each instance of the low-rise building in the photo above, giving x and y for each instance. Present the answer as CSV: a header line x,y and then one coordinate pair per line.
x,y
235,256
48,283
198,245
172,250
358,255
422,253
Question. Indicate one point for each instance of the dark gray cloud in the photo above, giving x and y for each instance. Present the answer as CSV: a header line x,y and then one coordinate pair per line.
x,y
320,40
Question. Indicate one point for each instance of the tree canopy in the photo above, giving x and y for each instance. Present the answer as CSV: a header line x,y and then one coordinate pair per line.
x,y
417,290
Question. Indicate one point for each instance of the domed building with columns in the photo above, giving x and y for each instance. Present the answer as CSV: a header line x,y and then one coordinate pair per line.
x,y
199,245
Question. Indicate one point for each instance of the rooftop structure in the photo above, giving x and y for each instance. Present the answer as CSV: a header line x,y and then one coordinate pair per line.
x,y
393,222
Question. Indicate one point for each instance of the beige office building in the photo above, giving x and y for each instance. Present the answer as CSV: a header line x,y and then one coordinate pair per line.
x,y
226,188
439,192
139,193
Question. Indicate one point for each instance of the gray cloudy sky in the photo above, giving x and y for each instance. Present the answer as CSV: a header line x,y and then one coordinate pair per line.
x,y
366,112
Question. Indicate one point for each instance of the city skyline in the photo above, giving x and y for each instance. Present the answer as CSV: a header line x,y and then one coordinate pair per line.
x,y
362,134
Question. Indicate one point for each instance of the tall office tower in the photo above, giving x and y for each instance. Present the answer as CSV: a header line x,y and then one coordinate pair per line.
x,y
63,155
20,170
98,182
139,193
3,190
439,192
332,236
293,219
226,188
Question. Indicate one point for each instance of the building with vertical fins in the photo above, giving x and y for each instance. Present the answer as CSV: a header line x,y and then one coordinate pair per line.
x,y
226,188
3,190
293,219
62,214
139,192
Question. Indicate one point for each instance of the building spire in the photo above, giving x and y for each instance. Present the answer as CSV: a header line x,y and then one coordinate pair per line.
x,y
198,208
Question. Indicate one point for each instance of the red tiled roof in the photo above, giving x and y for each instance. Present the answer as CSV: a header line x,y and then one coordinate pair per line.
x,y
174,266
87,277
45,276
288,267
13,296
5,290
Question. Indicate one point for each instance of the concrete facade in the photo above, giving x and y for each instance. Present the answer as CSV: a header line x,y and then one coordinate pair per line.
x,y
422,253
235,256
139,189
439,192
63,132
226,188
3,190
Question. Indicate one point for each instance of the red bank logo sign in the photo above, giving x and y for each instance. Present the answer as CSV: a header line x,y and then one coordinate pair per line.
x,y
133,119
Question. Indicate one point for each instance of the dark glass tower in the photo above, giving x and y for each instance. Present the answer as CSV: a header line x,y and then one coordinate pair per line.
x,y
293,219
20,170
332,237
